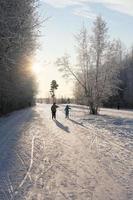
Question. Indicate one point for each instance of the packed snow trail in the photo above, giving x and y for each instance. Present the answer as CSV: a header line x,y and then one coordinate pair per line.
x,y
82,158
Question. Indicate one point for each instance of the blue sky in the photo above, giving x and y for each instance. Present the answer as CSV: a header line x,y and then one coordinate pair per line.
x,y
66,19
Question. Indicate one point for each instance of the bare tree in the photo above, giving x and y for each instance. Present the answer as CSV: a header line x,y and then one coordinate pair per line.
x,y
97,68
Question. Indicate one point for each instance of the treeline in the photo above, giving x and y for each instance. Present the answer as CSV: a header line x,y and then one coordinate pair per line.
x,y
124,97
18,31
62,100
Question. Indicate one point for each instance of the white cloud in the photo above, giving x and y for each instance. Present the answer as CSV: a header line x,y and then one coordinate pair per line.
x,y
62,3
84,11
125,9
123,6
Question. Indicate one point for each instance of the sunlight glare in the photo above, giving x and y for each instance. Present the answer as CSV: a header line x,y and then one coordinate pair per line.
x,y
37,68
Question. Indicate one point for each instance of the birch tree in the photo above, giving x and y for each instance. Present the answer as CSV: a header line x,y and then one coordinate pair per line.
x,y
97,67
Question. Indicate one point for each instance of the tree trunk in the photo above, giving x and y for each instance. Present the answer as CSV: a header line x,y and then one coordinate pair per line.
x,y
93,109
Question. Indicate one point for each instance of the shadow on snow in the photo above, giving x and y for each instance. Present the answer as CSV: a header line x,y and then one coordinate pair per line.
x,y
77,123
65,128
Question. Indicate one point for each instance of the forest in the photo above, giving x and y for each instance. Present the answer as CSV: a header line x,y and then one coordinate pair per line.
x,y
18,34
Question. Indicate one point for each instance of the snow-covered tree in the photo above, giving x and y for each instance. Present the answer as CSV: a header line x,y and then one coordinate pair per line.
x,y
124,97
97,67
18,33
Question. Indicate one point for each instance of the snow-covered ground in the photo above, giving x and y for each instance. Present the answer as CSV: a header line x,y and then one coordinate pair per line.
x,y
82,158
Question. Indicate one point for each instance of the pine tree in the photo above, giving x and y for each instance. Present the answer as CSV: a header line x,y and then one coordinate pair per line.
x,y
54,86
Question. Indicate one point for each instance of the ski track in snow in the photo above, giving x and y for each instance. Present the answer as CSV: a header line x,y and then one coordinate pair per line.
x,y
82,158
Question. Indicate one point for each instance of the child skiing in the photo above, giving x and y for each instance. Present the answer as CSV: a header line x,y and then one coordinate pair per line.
x,y
53,110
67,108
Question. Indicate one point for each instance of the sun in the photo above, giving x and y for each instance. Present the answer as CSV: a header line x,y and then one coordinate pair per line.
x,y
37,68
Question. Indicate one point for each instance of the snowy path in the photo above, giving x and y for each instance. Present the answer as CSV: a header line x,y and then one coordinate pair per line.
x,y
84,158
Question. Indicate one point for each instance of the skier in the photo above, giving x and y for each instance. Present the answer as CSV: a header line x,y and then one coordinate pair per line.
x,y
67,108
53,110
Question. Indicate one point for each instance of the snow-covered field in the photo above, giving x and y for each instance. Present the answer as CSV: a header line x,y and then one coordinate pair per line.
x,y
82,158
